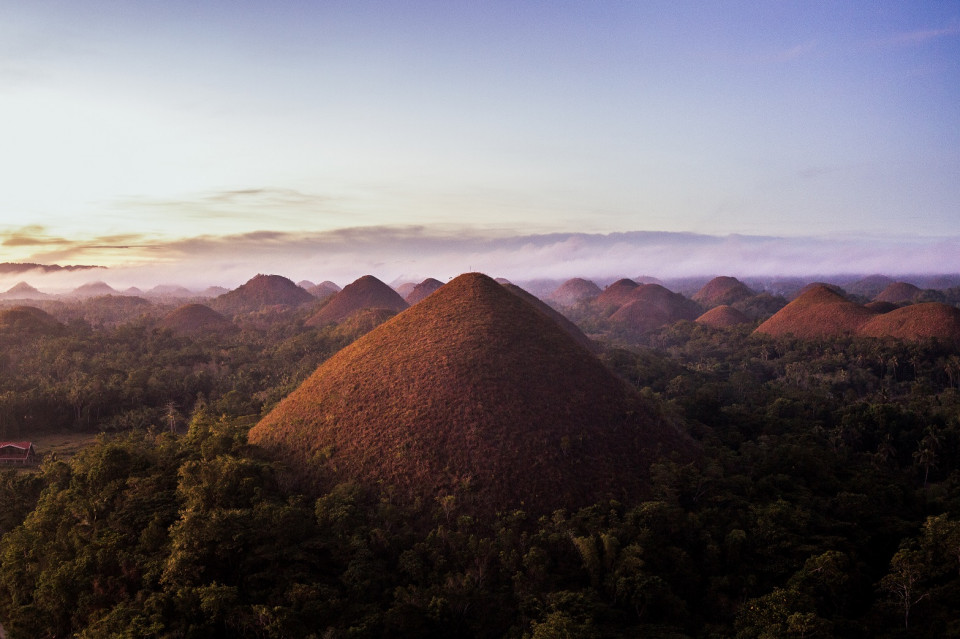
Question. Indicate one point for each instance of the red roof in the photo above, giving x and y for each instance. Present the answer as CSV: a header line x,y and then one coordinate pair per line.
x,y
15,450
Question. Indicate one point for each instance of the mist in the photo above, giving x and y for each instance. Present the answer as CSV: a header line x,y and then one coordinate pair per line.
x,y
394,253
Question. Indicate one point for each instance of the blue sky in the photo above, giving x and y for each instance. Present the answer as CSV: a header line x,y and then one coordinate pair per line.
x,y
134,129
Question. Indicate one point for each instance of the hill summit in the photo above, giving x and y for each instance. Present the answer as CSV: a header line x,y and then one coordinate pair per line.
x,y
260,292
366,292
474,393
819,311
722,290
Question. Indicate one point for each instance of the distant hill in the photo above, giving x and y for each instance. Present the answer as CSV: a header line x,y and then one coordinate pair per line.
x,y
898,293
213,291
196,319
422,290
27,320
722,290
651,306
616,295
23,291
820,311
170,291
93,289
475,394
869,286
260,292
365,292
574,291
917,321
723,316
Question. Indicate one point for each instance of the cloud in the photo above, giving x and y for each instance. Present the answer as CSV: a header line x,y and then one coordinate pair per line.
x,y
921,36
412,253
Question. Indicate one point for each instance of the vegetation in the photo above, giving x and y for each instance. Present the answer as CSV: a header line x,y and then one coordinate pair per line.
x,y
825,503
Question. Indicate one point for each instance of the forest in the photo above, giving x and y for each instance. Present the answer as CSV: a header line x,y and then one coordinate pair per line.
x,y
825,502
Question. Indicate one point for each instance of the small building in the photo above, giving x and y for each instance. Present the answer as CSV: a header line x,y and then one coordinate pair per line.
x,y
17,454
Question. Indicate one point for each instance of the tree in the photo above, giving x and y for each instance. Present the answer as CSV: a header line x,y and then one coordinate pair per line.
x,y
903,582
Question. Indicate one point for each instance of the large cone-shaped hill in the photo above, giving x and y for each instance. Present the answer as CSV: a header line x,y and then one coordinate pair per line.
x,y
28,320
422,290
915,322
261,292
366,292
575,291
722,290
652,306
197,319
898,293
820,311
723,316
471,392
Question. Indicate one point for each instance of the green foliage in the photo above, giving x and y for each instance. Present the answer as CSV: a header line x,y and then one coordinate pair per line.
x,y
826,502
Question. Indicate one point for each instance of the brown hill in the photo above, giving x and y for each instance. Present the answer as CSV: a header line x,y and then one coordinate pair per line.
x,y
476,394
28,320
366,292
572,329
421,290
819,311
616,295
574,291
898,293
916,322
652,306
260,292
723,316
722,290
196,319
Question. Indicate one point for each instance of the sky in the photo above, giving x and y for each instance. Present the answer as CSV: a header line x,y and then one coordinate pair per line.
x,y
213,140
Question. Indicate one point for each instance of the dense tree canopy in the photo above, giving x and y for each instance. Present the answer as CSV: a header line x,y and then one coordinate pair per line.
x,y
826,502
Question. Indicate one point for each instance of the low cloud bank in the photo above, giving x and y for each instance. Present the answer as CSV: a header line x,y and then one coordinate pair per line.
x,y
413,253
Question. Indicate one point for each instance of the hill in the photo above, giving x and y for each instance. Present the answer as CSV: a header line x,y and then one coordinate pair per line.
x,y
170,291
472,393
819,311
421,290
23,291
898,293
366,292
559,318
93,289
869,286
723,316
28,320
651,306
616,295
722,290
915,322
574,291
260,292
196,319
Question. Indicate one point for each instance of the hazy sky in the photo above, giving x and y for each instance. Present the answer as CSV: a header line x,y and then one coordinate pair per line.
x,y
135,131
